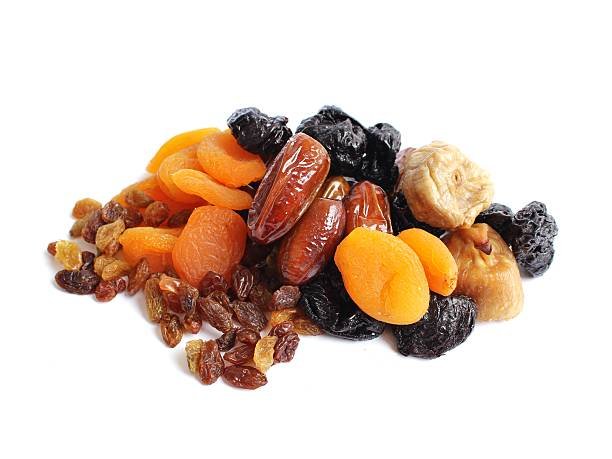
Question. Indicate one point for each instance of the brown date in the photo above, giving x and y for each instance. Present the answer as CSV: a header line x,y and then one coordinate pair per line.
x,y
367,206
310,244
335,188
288,188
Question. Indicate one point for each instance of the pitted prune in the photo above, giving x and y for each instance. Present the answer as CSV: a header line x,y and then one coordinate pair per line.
x,y
342,136
498,217
532,233
326,302
378,166
402,217
259,133
447,323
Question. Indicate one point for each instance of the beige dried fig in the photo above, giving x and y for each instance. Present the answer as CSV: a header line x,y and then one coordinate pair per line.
x,y
443,187
488,272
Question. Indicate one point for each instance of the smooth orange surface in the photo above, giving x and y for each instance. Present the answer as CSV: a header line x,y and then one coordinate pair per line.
x,y
184,159
154,244
203,185
176,144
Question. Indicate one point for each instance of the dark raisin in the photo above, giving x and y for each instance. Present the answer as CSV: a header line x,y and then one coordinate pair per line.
x,y
447,323
326,302
91,227
171,300
105,291
402,218
247,336
156,213
281,329
285,347
498,217
179,219
188,297
210,365
244,377
112,211
227,340
242,282
343,137
221,297
378,166
88,260
532,233
192,322
260,296
171,329
211,282
51,248
285,297
259,133
132,217
120,284
249,315
138,276
240,354
77,282
137,198
215,314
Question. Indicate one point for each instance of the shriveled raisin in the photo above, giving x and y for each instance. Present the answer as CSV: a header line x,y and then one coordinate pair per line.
x,y
156,213
132,218
227,340
107,235
187,295
249,315
211,364
112,211
221,297
52,248
91,227
192,322
283,315
68,254
240,354
154,300
88,260
77,282
120,284
263,356
138,276
211,282
76,230
285,297
85,206
260,296
281,329
179,219
137,198
215,314
305,326
101,262
244,377
171,329
105,291
193,349
172,302
242,282
115,269
247,336
285,347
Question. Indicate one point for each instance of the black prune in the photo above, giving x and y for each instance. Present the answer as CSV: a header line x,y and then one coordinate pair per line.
x,y
447,323
402,218
259,133
343,137
378,166
326,302
498,217
532,232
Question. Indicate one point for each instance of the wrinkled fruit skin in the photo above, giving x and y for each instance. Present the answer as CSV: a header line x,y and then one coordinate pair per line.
x,y
498,217
308,247
244,377
285,347
447,323
532,234
211,364
259,133
384,143
326,302
77,282
367,206
342,136
288,188
402,218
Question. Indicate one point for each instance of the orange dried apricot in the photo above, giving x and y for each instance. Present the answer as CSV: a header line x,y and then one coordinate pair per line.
x,y
438,262
383,276
154,244
227,162
213,240
203,185
184,159
177,143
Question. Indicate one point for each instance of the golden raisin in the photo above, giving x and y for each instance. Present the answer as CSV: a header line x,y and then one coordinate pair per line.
x,y
68,254
263,356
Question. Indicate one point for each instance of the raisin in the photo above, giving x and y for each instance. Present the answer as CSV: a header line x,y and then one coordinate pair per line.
x,y
155,305
285,297
260,296
259,133
402,218
263,357
179,219
101,262
281,329
192,322
247,336
171,329
367,206
68,254
305,326
88,260
105,291
112,211
138,276
193,349
285,347
378,166
210,365
242,282
107,235
240,354
221,297
85,206
215,314
137,198
447,323
342,136
532,233
186,295
120,285
91,227
498,217
211,282
227,340
283,315
132,217
76,230
244,377
52,248
156,213
328,304
115,269
77,282
249,315
172,301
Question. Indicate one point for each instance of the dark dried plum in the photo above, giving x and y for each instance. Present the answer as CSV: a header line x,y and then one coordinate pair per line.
x,y
402,218
447,323
384,143
532,233
259,133
343,137
498,217
326,302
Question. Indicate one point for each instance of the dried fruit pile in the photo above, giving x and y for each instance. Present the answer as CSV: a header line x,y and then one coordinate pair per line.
x,y
331,230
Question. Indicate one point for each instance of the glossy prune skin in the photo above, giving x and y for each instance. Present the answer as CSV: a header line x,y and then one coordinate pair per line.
x,y
326,302
367,206
498,217
384,142
402,217
447,323
308,247
259,133
288,188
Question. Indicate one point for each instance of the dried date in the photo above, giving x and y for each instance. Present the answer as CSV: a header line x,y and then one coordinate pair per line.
x,y
367,206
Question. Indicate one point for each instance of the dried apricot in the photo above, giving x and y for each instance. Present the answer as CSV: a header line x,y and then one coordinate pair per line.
x,y
438,262
383,276
213,240
177,143
184,159
154,244
203,185
223,159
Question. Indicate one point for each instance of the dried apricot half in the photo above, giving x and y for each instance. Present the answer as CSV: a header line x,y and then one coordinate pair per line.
x,y
223,159
203,185
438,262
383,276
177,143
184,159
213,240
154,244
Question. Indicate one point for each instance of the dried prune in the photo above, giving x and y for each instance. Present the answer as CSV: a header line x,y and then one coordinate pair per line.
x,y
249,315
156,213
285,347
155,305
532,233
85,206
247,336
179,219
215,313
242,282
244,377
192,322
240,354
78,282
378,166
259,133
171,329
137,198
263,356
498,217
281,329
326,302
285,297
367,206
342,136
227,340
447,323
138,276
211,282
91,227
402,217
210,365
112,211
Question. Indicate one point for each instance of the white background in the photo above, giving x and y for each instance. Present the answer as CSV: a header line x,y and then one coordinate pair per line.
x,y
89,90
